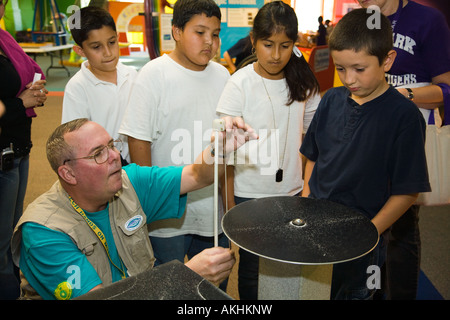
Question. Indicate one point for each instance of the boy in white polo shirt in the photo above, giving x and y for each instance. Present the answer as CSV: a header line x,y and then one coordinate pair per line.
x,y
100,90
169,119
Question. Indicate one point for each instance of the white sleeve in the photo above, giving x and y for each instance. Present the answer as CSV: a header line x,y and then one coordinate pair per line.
x,y
231,101
75,104
310,109
140,119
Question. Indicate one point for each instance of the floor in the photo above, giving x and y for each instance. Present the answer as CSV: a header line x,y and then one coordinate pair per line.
x,y
434,221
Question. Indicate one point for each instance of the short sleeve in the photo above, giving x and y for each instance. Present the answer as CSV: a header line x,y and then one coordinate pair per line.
x,y
309,146
158,190
140,119
53,264
75,104
436,46
408,166
311,105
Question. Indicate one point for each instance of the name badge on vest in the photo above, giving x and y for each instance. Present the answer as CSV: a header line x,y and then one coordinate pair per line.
x,y
134,223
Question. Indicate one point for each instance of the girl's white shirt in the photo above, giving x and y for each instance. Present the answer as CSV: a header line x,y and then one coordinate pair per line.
x,y
257,161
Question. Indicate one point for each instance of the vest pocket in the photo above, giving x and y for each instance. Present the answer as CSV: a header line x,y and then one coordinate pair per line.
x,y
132,225
134,244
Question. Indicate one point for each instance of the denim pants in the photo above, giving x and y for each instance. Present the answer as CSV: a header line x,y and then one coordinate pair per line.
x,y
350,279
248,271
403,257
176,248
248,275
13,184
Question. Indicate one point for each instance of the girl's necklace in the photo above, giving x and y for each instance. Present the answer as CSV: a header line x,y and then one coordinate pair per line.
x,y
279,174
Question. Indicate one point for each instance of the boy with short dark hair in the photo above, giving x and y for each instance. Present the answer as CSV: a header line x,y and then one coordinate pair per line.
x,y
169,115
101,89
365,144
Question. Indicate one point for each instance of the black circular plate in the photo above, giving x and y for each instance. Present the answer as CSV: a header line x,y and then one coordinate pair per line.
x,y
300,230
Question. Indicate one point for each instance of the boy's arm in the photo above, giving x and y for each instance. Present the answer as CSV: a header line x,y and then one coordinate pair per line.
x,y
140,151
309,166
392,210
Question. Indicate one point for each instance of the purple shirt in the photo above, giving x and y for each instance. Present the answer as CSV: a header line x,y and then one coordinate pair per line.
x,y
422,42
24,65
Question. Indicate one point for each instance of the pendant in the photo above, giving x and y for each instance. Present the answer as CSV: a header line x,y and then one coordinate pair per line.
x,y
279,175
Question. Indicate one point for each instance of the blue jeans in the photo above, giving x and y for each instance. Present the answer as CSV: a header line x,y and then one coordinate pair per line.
x,y
176,248
248,271
349,280
13,185
402,266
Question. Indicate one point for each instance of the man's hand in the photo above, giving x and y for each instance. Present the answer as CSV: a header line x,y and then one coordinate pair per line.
x,y
201,173
236,133
213,264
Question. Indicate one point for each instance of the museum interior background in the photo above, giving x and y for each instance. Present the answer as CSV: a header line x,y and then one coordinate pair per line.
x,y
144,29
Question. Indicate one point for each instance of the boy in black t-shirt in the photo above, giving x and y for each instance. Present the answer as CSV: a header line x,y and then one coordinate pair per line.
x,y
365,145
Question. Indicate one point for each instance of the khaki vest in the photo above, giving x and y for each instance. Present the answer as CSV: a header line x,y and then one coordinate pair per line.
x,y
53,210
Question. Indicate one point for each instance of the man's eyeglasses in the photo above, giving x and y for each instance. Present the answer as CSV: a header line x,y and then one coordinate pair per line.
x,y
102,154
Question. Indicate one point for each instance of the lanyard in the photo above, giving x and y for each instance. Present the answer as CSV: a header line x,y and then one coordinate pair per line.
x,y
98,232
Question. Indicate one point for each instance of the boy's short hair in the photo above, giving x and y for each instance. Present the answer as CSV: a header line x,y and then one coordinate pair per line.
x,y
184,10
91,18
363,29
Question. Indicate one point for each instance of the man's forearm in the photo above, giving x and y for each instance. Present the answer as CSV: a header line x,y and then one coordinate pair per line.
x,y
201,173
